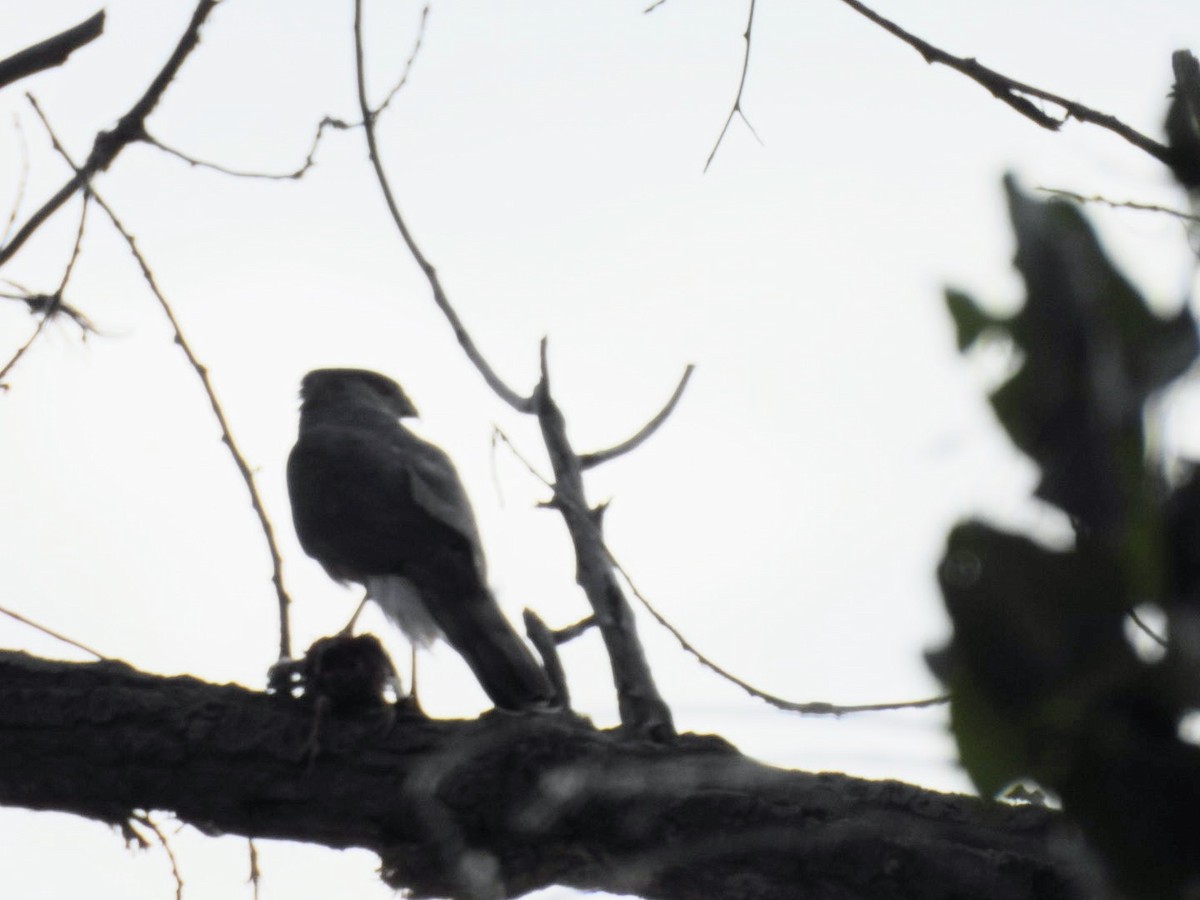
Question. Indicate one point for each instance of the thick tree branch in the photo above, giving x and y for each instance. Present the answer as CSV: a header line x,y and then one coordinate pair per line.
x,y
51,52
509,803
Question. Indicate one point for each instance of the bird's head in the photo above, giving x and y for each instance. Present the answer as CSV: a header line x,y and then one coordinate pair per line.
x,y
346,387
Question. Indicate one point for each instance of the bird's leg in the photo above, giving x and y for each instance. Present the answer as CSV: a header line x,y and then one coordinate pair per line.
x,y
412,691
349,629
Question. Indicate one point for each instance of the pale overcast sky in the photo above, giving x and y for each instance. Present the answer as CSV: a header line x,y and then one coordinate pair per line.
x,y
549,159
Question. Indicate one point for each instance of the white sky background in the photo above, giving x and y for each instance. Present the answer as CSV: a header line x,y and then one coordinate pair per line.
x,y
548,157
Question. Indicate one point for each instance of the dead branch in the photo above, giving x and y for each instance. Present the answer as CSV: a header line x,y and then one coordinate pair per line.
x,y
1122,204
642,708
310,160
502,390
506,804
1015,93
285,640
590,460
49,306
22,182
51,52
814,707
109,144
736,109
49,631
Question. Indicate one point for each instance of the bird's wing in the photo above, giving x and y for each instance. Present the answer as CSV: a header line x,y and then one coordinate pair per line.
x,y
437,489
368,502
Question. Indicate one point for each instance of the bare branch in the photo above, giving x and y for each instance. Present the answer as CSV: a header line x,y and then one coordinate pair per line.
x,y
66,278
569,633
412,58
502,390
325,123
309,160
51,52
22,181
108,144
255,875
144,819
736,109
819,708
47,631
816,708
1122,204
1015,93
590,460
285,641
51,305
546,642
1146,629
641,706
21,351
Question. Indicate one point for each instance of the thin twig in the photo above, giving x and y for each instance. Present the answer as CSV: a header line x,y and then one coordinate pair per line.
x,y
1122,204
327,122
511,397
50,632
1146,629
108,144
62,285
143,818
285,642
52,305
255,875
22,180
408,65
816,708
51,52
1016,93
309,161
736,109
22,350
590,460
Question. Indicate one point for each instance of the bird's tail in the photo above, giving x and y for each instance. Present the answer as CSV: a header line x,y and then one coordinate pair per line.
x,y
504,665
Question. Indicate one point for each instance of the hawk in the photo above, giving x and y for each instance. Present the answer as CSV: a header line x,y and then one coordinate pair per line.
x,y
376,505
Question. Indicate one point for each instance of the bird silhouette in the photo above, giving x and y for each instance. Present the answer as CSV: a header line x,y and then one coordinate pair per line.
x,y
376,505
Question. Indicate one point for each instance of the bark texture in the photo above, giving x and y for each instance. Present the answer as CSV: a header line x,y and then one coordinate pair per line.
x,y
508,803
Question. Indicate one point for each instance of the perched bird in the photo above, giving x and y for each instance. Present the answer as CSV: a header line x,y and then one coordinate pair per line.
x,y
377,505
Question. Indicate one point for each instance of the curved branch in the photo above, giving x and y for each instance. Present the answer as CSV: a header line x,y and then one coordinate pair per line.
x,y
502,390
590,460
506,804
